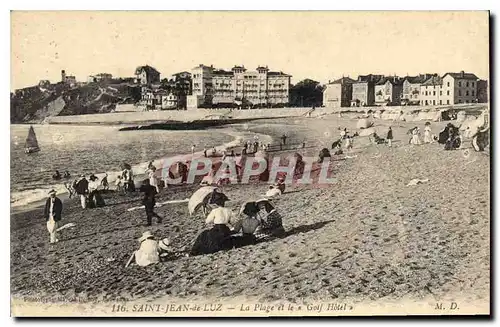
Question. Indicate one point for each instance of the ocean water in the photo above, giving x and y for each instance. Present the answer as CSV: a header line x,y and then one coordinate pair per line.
x,y
94,149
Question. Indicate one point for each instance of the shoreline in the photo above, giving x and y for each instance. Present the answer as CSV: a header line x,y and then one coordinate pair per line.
x,y
138,169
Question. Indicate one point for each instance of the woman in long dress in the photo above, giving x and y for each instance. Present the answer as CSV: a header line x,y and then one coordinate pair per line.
x,y
427,133
415,139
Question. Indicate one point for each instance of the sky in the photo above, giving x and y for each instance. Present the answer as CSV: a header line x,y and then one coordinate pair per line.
x,y
321,45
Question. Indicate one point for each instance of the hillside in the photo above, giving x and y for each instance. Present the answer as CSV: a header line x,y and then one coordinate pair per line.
x,y
36,103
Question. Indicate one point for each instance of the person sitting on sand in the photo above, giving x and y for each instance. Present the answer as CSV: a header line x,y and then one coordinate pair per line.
x,y
247,225
67,174
324,153
218,237
276,189
149,252
272,223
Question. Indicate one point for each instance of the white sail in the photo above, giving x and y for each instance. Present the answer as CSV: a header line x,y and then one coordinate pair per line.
x,y
31,142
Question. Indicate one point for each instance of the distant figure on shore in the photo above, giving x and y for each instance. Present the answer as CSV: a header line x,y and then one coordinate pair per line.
x,y
283,139
82,189
343,133
53,215
214,152
205,153
348,142
193,147
427,133
255,146
105,183
149,202
389,136
119,184
128,180
151,165
153,180
67,174
94,200
56,175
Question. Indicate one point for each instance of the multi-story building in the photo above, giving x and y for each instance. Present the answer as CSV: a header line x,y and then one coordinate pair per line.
x,y
338,93
100,77
157,98
388,91
363,90
431,92
147,75
216,87
68,79
482,91
459,88
411,88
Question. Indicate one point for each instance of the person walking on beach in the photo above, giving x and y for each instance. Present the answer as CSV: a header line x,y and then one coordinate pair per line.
x,y
52,214
119,184
82,189
149,202
193,147
153,179
205,152
105,183
389,136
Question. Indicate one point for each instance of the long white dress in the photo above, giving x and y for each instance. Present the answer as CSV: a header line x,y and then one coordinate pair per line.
x,y
427,134
415,138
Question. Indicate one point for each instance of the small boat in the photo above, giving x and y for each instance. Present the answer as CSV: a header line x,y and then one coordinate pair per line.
x,y
31,145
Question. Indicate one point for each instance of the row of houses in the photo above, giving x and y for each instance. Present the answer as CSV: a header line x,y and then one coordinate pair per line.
x,y
424,89
206,86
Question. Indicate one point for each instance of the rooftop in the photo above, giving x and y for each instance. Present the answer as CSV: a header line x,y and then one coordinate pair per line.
x,y
343,80
148,69
434,80
462,75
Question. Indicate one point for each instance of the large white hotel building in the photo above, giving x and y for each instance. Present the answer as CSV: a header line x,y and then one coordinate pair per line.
x,y
218,88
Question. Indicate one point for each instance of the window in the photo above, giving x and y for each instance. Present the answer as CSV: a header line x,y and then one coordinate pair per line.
x,y
434,93
467,84
425,92
440,101
459,84
440,92
467,93
448,92
426,103
447,101
466,101
434,102
459,101
472,92
472,84
448,84
459,92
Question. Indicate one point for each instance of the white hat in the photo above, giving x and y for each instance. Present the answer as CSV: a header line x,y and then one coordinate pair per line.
x,y
145,236
164,244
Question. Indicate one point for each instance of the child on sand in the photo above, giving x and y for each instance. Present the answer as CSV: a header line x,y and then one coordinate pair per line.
x,y
389,136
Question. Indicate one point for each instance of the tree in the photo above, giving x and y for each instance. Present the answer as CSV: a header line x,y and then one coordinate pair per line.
x,y
307,93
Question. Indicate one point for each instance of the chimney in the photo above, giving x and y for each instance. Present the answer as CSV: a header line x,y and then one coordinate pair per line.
x,y
462,74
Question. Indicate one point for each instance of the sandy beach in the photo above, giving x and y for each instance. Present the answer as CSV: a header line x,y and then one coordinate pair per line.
x,y
368,237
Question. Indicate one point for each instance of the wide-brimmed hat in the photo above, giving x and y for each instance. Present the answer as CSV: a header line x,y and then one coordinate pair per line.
x,y
165,244
52,192
145,236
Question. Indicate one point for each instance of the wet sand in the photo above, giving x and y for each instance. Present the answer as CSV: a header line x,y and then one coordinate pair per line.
x,y
367,237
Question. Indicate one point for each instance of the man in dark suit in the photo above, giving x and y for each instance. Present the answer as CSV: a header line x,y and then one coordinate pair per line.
x,y
52,214
149,202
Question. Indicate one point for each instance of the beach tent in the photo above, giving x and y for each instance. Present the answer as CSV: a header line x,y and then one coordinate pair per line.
x,y
200,198
367,131
363,123
461,116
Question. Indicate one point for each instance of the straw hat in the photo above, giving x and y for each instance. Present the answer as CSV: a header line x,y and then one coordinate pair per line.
x,y
164,244
145,236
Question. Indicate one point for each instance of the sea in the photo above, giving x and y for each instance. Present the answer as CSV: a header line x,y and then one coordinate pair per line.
x,y
98,150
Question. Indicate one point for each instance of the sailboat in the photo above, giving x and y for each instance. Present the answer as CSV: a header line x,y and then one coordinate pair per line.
x,y
31,144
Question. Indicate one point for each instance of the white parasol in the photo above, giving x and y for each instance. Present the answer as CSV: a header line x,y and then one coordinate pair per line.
x,y
199,198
